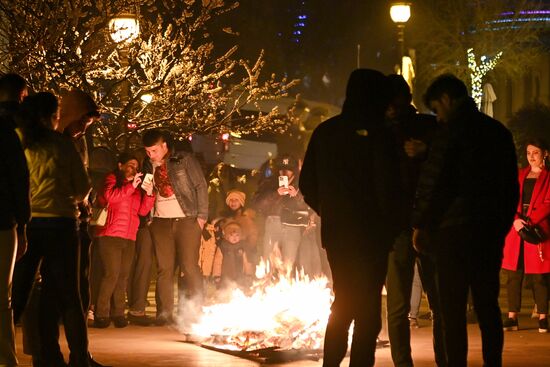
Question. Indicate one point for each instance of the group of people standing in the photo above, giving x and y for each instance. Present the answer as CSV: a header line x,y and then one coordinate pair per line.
x,y
444,191
392,187
45,177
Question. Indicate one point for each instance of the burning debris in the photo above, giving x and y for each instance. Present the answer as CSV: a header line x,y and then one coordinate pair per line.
x,y
284,316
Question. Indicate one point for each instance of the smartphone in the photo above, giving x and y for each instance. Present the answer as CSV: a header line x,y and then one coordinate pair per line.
x,y
148,178
283,181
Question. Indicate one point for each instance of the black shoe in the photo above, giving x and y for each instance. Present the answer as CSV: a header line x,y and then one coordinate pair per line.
x,y
163,321
142,320
543,325
120,321
102,322
93,363
510,324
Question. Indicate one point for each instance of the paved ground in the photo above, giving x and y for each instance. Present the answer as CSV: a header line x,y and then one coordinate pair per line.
x,y
136,346
161,346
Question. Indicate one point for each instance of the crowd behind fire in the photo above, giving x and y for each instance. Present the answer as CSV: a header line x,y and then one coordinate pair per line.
x,y
403,196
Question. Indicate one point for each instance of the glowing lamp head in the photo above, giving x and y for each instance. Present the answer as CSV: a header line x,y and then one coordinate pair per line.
x,y
124,28
400,12
146,98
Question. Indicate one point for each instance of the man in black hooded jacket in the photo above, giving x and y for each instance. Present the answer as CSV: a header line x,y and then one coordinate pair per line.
x,y
350,178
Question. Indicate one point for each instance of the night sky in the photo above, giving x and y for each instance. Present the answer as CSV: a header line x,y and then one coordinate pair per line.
x,y
326,43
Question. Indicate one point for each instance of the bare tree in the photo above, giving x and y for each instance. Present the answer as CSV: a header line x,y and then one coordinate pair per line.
x,y
499,34
171,75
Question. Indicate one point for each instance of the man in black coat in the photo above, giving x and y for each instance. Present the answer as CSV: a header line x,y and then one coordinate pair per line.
x,y
465,203
350,178
413,132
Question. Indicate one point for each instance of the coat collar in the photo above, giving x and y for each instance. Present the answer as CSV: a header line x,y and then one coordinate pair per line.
x,y
541,180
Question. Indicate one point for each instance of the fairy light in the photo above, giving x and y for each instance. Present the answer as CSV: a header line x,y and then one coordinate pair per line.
x,y
477,72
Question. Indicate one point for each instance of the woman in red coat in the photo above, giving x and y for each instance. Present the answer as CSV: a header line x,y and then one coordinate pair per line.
x,y
521,257
125,200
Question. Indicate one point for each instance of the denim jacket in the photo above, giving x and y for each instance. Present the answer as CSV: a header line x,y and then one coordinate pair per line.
x,y
188,182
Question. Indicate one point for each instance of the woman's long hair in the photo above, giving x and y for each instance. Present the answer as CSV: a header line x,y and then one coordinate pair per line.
x,y
35,117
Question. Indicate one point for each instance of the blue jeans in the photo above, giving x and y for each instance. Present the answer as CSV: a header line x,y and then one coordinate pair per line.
x,y
287,237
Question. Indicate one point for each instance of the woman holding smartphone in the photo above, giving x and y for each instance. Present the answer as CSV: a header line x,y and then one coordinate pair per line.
x,y
289,213
125,200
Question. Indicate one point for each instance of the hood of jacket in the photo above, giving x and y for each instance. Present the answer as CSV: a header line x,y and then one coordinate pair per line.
x,y
368,95
74,105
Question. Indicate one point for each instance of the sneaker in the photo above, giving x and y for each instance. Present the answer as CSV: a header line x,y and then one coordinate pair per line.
x,y
510,324
543,325
102,322
90,318
413,323
119,321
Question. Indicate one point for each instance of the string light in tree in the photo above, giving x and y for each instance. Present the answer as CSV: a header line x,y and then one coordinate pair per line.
x,y
477,72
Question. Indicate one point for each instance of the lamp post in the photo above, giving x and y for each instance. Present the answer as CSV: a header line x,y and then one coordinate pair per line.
x,y
400,13
123,29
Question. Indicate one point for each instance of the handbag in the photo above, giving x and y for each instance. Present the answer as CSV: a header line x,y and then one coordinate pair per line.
x,y
531,233
99,217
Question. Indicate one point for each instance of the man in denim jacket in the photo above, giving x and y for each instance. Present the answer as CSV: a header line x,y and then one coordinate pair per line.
x,y
179,215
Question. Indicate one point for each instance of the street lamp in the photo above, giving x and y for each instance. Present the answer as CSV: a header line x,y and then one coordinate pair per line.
x,y
400,13
124,28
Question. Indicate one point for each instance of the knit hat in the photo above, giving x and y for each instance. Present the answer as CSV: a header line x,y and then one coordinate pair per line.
x,y
236,194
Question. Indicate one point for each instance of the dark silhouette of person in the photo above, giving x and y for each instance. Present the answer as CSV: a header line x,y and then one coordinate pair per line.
x,y
349,177
413,132
465,204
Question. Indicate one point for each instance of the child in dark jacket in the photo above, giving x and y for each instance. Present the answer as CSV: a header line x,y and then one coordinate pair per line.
x,y
233,251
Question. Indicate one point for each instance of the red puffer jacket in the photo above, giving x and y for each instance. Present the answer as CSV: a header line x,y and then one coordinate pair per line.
x,y
124,205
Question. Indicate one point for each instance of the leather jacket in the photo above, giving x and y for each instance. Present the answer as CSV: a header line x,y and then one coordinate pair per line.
x,y
188,183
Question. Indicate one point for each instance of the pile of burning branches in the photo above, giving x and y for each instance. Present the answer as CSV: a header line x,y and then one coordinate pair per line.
x,y
284,312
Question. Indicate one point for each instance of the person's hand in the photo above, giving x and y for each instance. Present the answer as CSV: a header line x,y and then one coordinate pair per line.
x,y
148,187
282,191
519,224
137,179
420,240
292,191
21,245
414,147
201,222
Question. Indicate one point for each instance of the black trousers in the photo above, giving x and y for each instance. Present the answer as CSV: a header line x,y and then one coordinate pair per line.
x,y
540,290
53,249
399,280
469,257
176,242
85,249
358,281
140,274
116,257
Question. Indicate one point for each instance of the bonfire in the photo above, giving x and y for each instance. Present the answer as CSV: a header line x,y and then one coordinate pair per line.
x,y
284,310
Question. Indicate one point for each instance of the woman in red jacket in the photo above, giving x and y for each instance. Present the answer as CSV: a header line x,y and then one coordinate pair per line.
x,y
521,257
125,201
